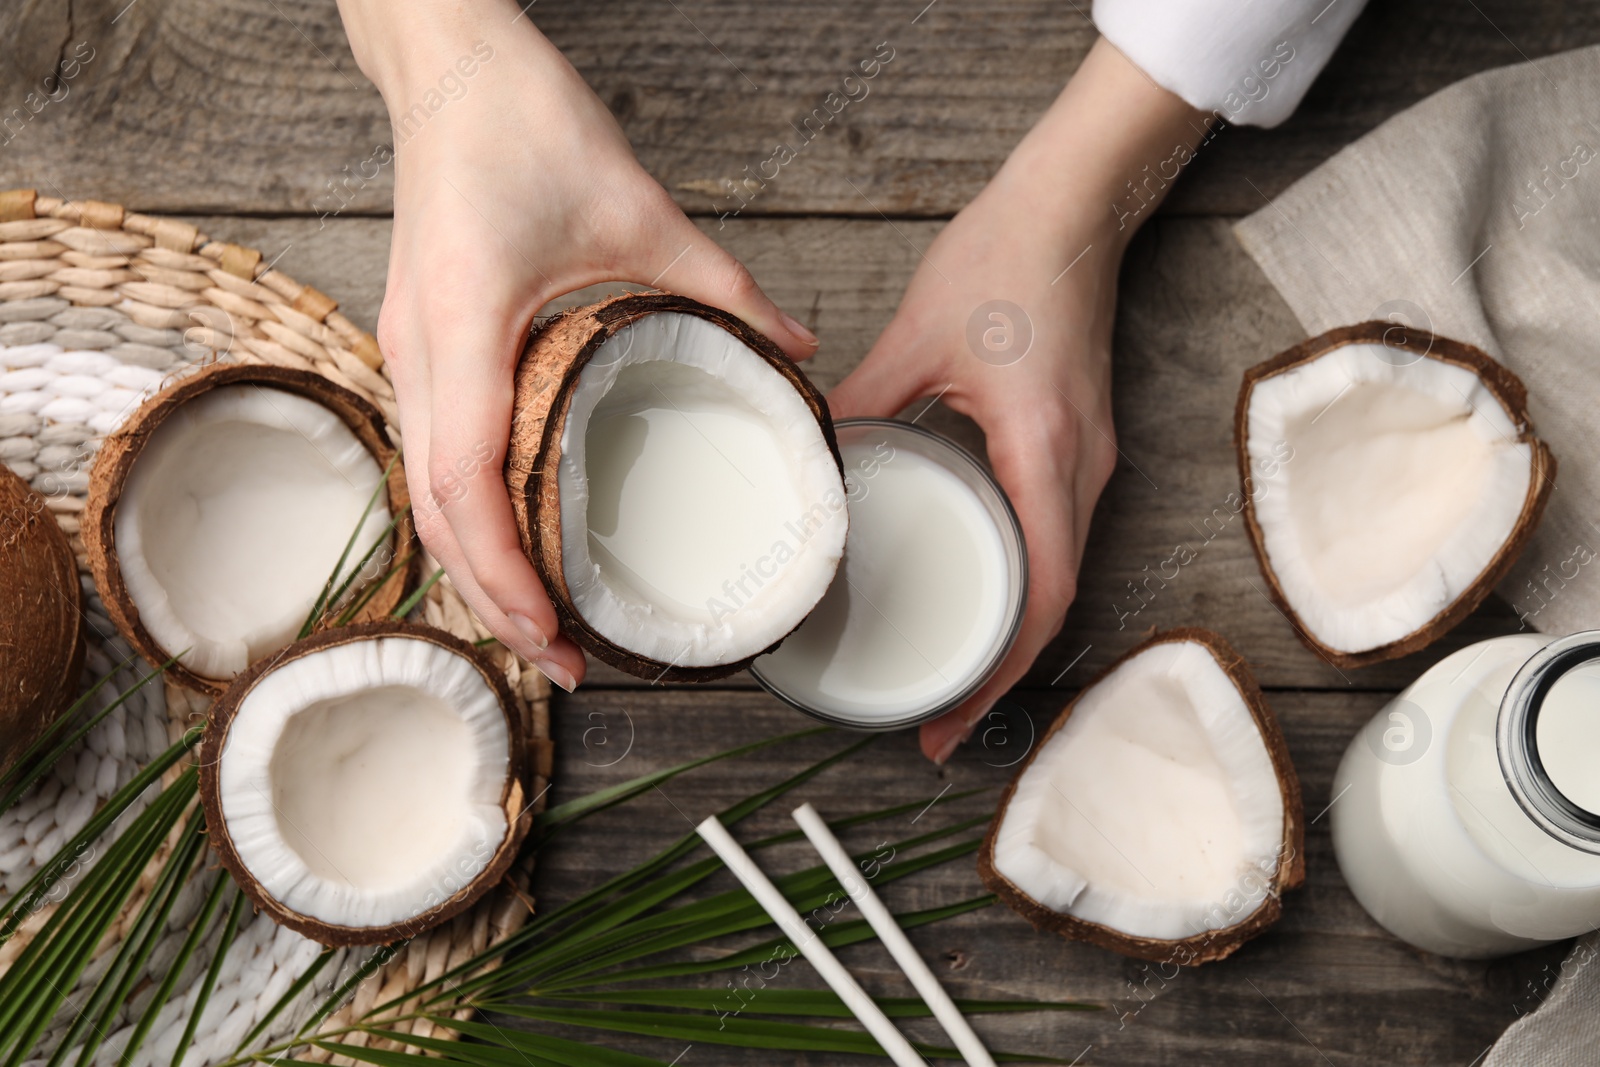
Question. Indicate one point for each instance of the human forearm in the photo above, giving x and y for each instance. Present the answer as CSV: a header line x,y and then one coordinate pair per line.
x,y
406,52
1105,153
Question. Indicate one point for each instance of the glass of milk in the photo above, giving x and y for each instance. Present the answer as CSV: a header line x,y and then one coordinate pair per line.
x,y
929,597
1466,815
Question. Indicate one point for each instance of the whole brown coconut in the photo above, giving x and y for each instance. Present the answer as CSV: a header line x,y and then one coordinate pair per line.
x,y
121,450
546,376
1207,945
41,619
519,817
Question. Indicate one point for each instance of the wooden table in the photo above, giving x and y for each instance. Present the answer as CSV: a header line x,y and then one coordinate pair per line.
x,y
248,112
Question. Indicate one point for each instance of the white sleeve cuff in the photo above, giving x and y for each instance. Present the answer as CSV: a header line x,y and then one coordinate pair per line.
x,y
1248,62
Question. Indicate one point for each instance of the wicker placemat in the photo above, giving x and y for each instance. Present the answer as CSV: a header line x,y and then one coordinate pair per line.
x,y
99,306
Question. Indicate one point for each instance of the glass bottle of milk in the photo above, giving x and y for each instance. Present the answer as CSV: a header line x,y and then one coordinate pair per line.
x,y
1465,813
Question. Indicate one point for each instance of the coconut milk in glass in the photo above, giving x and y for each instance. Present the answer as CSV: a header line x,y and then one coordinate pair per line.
x,y
1466,816
929,597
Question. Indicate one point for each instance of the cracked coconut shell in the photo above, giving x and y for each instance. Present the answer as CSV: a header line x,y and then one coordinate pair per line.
x,y
546,378
1475,574
121,450
1246,917
430,913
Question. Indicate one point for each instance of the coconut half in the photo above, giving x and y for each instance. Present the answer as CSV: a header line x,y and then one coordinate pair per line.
x,y
1390,479
218,510
1159,816
41,618
677,485
367,783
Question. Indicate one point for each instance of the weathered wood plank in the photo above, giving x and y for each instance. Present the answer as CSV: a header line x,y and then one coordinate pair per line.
x,y
1325,985
257,105
1195,312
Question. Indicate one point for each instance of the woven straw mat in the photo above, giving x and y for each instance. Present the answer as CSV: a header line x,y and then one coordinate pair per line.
x,y
97,307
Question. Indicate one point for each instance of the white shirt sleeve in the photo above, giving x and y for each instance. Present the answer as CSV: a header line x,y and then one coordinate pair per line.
x,y
1250,61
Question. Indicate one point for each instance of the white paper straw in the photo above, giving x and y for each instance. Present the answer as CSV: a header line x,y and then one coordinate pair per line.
x,y
844,868
809,944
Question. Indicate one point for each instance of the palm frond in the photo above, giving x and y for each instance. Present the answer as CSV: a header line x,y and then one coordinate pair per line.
x,y
709,1029
812,1003
209,982
377,545
34,988
410,602
298,986
591,963
397,568
186,952
95,1019
35,762
834,935
327,597
33,892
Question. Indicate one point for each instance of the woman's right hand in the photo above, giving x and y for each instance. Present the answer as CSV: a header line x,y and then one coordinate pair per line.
x,y
514,186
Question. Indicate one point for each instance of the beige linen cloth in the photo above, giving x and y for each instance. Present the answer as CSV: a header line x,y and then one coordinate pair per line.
x,y
1476,214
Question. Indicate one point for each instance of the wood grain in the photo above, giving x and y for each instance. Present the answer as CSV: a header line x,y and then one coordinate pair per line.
x,y
257,106
254,111
1326,985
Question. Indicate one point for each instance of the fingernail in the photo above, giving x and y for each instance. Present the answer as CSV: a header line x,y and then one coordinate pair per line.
x,y
557,674
794,327
526,627
948,749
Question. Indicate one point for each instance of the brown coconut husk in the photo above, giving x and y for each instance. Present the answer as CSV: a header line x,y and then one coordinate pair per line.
x,y
121,451
41,619
546,376
1503,385
1211,944
514,802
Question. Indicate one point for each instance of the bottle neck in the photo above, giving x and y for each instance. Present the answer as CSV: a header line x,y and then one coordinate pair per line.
x,y
1517,742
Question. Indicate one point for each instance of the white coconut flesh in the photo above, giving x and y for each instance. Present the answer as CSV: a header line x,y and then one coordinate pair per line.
x,y
1155,809
233,516
703,515
1402,485
362,784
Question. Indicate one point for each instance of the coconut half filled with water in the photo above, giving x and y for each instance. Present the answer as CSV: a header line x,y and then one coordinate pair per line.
x,y
1391,477
219,509
1159,816
41,618
367,783
677,485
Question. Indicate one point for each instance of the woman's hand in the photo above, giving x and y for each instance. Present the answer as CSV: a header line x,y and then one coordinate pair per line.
x,y
513,186
1008,320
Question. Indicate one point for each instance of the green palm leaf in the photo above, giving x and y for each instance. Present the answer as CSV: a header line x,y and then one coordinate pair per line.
x,y
834,935
34,763
36,985
328,598
95,1019
197,932
812,1003
578,965
594,906
710,1030
209,983
34,891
